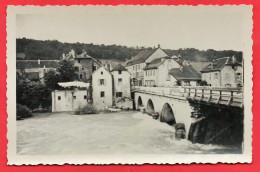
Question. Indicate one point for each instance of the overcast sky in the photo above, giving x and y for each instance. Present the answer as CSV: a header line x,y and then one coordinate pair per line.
x,y
173,28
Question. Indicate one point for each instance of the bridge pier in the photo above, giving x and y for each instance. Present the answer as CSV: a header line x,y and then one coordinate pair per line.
x,y
171,110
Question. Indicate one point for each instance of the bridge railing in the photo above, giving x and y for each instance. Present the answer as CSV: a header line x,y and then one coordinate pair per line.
x,y
217,95
233,96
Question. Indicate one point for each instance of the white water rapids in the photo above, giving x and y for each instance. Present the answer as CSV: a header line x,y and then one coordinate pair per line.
x,y
128,132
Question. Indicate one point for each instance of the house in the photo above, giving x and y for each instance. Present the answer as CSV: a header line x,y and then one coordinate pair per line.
x,y
185,76
74,96
223,72
156,73
121,87
136,64
35,70
102,88
84,64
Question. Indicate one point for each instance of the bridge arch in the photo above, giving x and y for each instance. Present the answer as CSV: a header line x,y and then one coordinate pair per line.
x,y
150,107
139,103
167,114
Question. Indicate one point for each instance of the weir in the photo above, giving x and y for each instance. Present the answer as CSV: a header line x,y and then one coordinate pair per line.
x,y
210,115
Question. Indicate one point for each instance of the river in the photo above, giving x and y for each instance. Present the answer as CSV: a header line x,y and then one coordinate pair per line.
x,y
127,132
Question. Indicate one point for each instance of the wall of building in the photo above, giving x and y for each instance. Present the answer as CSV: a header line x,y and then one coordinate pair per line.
x,y
137,73
229,76
212,78
123,86
41,72
87,67
150,77
68,100
102,102
163,76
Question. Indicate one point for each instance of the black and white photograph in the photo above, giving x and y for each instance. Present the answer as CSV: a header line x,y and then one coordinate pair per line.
x,y
129,84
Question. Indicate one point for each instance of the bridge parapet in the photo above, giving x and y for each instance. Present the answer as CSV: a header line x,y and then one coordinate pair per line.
x,y
215,95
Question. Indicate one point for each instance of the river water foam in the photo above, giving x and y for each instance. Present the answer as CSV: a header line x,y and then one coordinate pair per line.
x,y
128,132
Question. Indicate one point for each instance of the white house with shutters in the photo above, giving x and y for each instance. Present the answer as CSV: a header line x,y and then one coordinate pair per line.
x,y
102,89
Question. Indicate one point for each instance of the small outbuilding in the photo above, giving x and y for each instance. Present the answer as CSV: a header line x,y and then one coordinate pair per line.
x,y
74,96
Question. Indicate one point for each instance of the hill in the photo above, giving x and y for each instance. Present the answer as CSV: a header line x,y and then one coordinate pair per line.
x,y
53,50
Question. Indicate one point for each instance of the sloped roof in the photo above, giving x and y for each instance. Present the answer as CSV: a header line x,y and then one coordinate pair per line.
x,y
154,63
119,67
83,56
140,57
218,64
29,64
187,73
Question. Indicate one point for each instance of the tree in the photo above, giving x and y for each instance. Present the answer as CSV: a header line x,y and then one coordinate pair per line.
x,y
51,79
67,71
32,94
203,83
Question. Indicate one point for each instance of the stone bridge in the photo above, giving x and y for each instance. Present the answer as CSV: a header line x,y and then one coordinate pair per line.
x,y
172,104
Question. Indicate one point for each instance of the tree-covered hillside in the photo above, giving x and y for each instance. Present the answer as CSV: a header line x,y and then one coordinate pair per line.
x,y
53,50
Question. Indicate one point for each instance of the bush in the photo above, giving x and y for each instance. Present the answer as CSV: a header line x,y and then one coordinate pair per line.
x,y
22,112
88,109
203,83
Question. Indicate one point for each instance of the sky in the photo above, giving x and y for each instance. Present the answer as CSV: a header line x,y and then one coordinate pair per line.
x,y
172,27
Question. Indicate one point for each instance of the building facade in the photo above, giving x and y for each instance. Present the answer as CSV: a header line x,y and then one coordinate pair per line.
x,y
156,73
102,89
121,87
137,63
84,64
35,70
223,72
68,100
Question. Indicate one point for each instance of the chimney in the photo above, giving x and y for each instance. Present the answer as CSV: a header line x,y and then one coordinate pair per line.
x,y
39,61
159,46
63,56
181,68
72,53
234,60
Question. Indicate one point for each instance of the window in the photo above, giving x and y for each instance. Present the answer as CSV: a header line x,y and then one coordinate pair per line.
x,y
120,81
215,75
119,72
85,97
119,94
80,76
59,98
78,61
102,94
82,68
76,68
101,82
74,97
101,73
